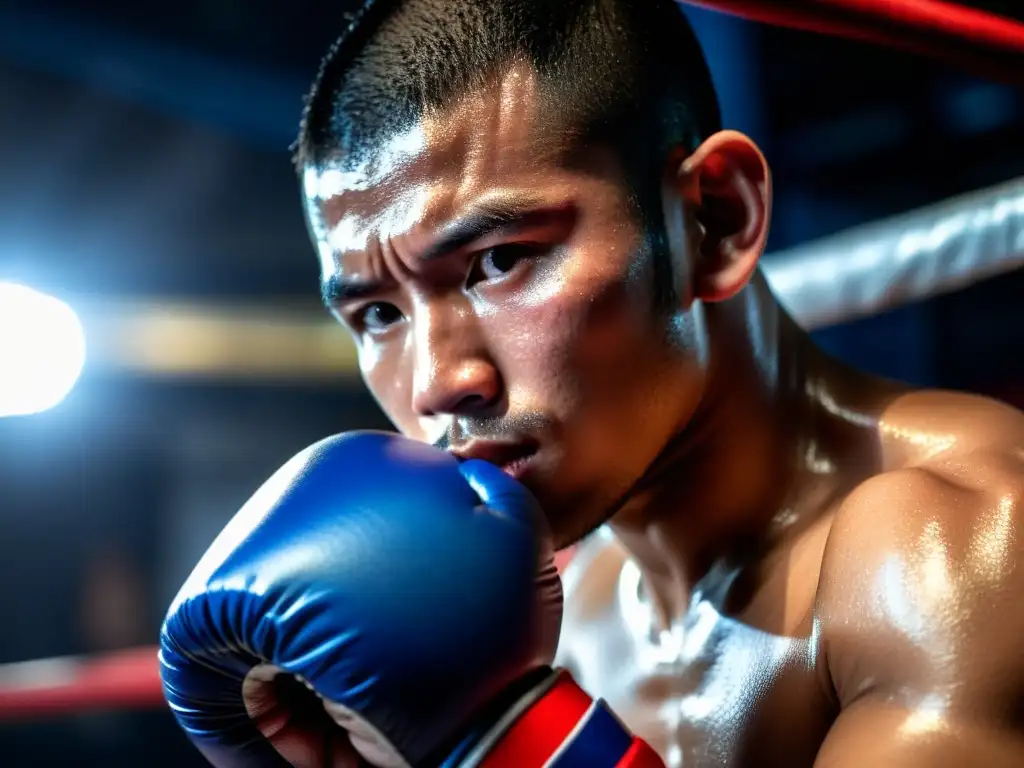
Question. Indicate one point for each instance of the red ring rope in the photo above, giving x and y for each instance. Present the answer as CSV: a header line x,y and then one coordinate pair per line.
x,y
983,42
51,687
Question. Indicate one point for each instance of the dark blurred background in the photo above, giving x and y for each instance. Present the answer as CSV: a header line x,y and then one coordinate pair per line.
x,y
145,179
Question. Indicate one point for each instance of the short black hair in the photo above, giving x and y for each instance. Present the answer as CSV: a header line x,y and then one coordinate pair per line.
x,y
628,73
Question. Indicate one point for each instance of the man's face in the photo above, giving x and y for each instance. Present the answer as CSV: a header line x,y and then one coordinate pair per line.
x,y
502,300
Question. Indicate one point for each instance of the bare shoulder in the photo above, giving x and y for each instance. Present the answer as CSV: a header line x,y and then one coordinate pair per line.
x,y
924,566
922,425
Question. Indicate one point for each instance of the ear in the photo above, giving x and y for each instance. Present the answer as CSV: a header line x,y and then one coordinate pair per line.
x,y
726,185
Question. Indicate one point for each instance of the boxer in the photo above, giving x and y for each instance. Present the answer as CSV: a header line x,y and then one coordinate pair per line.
x,y
545,246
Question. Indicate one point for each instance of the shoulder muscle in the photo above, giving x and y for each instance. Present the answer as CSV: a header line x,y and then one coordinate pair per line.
x,y
921,581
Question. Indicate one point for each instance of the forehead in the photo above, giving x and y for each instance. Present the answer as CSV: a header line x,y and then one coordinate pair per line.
x,y
495,139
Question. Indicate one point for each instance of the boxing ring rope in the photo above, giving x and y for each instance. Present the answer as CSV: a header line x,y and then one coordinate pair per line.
x,y
974,40
861,272
127,679
889,263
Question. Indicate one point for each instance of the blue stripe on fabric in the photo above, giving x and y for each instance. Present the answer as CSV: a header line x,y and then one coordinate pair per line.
x,y
600,743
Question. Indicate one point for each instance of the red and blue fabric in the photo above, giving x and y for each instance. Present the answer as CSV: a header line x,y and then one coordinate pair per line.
x,y
565,728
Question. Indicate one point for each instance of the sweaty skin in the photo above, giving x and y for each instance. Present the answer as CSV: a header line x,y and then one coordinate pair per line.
x,y
794,563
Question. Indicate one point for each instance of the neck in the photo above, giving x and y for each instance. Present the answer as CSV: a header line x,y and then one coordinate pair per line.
x,y
751,469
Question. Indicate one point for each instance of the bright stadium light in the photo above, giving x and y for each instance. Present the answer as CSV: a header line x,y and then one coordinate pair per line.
x,y
42,350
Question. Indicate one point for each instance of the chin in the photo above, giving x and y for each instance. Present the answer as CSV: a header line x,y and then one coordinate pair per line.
x,y
571,519
573,505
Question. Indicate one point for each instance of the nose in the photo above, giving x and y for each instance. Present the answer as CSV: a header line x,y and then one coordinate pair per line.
x,y
453,373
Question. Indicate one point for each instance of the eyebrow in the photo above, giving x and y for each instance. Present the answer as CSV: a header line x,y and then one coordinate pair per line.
x,y
336,289
484,219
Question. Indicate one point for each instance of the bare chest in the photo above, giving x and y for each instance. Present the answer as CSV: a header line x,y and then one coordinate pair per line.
x,y
710,692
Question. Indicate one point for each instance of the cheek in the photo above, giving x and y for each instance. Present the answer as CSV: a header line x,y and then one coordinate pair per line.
x,y
583,337
383,375
603,320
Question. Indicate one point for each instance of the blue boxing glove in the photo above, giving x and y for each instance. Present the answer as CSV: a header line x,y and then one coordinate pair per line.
x,y
412,596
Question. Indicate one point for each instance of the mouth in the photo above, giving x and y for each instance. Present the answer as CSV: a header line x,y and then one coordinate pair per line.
x,y
512,458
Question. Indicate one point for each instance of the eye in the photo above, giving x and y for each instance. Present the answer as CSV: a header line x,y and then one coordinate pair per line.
x,y
377,317
496,262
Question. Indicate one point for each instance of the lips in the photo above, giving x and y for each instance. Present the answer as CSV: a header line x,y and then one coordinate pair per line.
x,y
508,456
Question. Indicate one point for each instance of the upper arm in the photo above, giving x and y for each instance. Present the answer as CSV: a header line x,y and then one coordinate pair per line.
x,y
921,616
